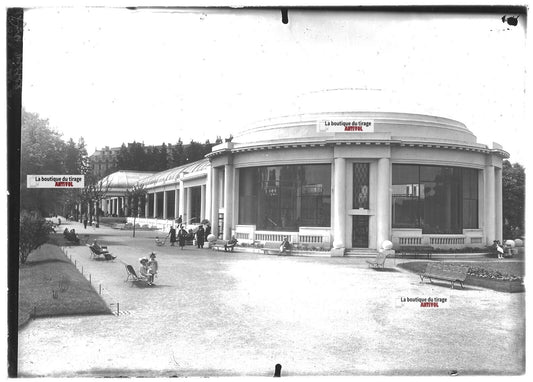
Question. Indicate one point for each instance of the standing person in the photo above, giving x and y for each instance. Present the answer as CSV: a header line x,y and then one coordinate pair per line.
x,y
180,220
172,234
85,222
182,236
153,267
207,231
200,236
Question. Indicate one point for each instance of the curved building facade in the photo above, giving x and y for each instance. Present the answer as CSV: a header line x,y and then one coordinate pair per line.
x,y
349,181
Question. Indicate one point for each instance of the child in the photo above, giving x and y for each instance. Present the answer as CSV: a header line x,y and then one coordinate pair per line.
x,y
153,267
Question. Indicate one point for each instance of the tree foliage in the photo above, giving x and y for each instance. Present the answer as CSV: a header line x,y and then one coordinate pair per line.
x,y
513,183
34,232
43,152
137,157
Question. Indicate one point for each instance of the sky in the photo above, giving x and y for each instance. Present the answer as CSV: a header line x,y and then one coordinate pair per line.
x,y
153,76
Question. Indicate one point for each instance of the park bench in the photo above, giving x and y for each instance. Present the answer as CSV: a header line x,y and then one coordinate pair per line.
x,y
446,272
135,280
218,244
271,248
379,261
100,253
222,244
416,250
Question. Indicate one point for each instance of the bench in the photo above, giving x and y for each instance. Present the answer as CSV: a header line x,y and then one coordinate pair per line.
x,y
446,272
379,261
222,244
218,244
416,250
273,249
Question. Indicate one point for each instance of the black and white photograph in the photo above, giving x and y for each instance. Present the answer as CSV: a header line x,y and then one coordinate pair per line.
x,y
279,191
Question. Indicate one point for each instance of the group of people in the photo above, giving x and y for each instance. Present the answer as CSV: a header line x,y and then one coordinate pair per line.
x,y
148,268
182,236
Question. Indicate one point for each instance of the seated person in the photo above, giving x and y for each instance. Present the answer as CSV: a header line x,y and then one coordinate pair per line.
x,y
66,232
99,248
144,271
72,236
285,245
230,244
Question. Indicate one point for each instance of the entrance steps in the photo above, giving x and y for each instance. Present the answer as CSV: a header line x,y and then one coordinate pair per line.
x,y
361,252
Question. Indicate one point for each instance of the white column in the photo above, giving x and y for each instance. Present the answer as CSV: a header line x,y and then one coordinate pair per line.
x,y
165,204
146,205
208,201
215,206
188,204
490,201
176,203
228,201
383,207
339,207
182,202
155,205
498,202
202,202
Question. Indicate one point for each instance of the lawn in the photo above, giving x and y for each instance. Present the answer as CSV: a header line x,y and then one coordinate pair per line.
x,y
50,285
481,271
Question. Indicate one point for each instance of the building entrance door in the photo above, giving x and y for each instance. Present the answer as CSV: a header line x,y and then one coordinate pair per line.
x,y
360,231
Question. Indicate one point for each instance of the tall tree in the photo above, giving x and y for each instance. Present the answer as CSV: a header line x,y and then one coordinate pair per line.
x,y
42,152
513,183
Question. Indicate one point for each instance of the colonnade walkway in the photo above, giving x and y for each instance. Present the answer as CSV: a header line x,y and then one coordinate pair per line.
x,y
232,314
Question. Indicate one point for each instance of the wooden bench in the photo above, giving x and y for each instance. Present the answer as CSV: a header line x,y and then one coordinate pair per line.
x,y
218,244
416,250
379,261
273,249
447,272
222,244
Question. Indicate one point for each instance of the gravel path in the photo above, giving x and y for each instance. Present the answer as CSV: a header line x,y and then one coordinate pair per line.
x,y
218,314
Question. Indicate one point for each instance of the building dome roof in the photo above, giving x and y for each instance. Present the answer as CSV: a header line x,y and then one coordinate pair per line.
x,y
386,125
125,179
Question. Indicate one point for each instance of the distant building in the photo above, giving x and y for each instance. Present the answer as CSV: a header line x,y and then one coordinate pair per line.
x,y
104,161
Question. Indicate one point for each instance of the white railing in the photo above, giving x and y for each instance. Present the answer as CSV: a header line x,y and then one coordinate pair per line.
x,y
410,240
446,240
315,236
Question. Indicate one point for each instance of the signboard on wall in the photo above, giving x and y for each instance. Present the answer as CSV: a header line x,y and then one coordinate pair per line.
x,y
345,126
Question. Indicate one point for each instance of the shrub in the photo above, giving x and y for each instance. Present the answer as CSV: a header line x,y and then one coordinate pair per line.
x,y
34,232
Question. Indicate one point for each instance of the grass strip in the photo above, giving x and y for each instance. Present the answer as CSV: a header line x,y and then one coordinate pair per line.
x,y
504,268
50,285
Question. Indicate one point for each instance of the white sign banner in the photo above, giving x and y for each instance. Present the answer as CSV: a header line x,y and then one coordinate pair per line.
x,y
345,126
55,181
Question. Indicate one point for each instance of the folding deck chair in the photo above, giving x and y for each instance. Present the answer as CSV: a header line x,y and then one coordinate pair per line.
x,y
135,280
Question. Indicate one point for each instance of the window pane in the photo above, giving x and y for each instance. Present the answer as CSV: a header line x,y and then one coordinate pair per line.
x,y
360,185
285,197
443,201
405,196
